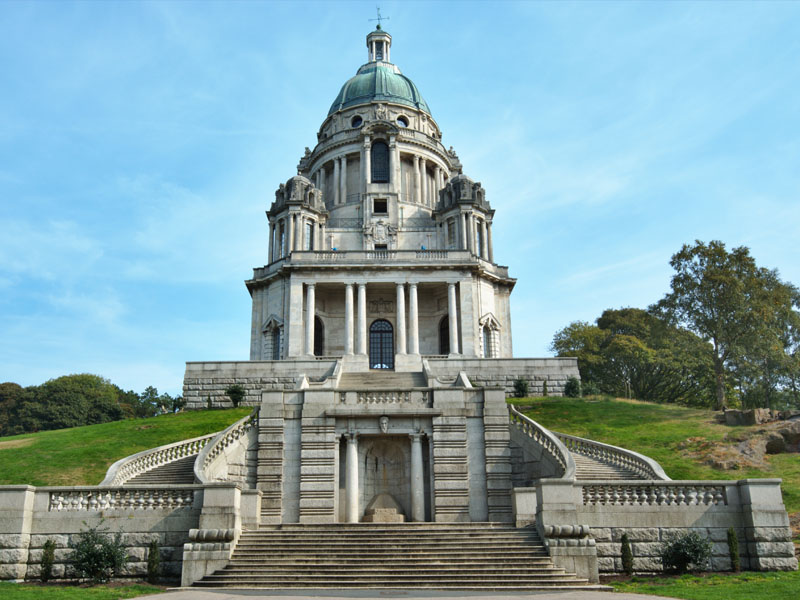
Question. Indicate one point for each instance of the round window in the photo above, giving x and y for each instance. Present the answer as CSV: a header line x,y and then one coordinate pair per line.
x,y
356,121
402,121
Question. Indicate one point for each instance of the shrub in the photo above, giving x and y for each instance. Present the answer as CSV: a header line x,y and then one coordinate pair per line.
x,y
688,551
96,555
236,393
153,562
627,555
733,550
544,388
209,404
590,388
520,388
48,558
572,389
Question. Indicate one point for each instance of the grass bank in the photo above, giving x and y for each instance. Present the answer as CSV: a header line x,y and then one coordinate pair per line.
x,y
82,455
739,586
25,591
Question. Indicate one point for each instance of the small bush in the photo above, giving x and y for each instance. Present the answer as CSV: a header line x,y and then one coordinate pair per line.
x,y
209,404
733,550
690,551
589,388
572,389
153,562
544,388
520,388
96,555
48,558
627,555
236,393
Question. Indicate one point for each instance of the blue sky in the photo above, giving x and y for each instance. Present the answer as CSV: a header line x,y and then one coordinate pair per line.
x,y
141,143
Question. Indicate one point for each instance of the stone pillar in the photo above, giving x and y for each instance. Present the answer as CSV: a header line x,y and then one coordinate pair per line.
x,y
367,162
336,181
351,479
343,184
452,317
348,318
298,232
310,312
438,178
489,242
484,244
417,182
290,232
394,165
413,320
473,230
401,318
322,180
417,479
423,174
463,226
271,242
361,346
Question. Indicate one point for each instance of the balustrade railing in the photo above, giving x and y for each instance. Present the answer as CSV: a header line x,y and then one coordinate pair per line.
x,y
345,223
546,439
128,498
392,397
621,457
217,447
651,493
142,462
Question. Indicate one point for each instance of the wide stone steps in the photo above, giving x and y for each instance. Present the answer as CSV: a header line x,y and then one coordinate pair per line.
x,y
180,471
385,380
588,468
469,556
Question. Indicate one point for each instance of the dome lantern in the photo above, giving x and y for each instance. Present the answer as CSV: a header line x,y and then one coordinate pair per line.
x,y
378,44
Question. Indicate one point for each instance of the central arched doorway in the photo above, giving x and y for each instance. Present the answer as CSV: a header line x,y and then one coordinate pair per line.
x,y
381,345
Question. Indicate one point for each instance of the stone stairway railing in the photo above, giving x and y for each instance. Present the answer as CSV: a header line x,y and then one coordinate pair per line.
x,y
546,439
613,455
129,467
214,452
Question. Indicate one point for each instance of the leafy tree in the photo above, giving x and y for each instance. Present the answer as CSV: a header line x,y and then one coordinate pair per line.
x,y
11,397
236,393
740,309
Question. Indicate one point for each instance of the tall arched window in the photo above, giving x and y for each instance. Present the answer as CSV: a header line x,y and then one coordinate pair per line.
x,y
381,345
380,162
319,337
444,335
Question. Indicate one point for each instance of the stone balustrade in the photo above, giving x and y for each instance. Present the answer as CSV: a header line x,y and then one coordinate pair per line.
x,y
638,493
93,499
204,467
544,439
393,397
129,467
621,457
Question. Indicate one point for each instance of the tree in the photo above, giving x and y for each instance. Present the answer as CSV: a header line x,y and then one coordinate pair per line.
x,y
236,393
727,300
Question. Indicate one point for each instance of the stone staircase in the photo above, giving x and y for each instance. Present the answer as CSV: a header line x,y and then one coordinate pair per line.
x,y
177,472
433,556
382,380
592,469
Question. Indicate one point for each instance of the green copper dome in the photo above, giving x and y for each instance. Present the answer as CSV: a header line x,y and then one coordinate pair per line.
x,y
379,82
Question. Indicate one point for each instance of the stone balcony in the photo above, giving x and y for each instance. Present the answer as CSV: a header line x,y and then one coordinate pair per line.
x,y
386,259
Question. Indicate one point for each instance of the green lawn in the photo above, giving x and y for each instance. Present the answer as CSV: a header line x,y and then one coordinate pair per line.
x,y
741,586
81,455
19,591
659,431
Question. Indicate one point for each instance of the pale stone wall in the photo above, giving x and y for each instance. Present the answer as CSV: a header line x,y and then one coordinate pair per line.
x,y
203,380
504,371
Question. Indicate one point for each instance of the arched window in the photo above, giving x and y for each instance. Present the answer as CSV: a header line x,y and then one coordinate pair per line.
x,y
487,342
380,162
319,337
381,345
276,344
444,335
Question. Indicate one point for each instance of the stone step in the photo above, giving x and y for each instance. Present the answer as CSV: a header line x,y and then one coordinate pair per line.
x,y
180,471
382,380
588,468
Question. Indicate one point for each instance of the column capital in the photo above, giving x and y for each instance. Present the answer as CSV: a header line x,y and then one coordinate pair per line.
x,y
352,437
415,437
311,285
412,284
416,159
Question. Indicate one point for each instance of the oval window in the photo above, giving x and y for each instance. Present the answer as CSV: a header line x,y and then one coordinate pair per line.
x,y
402,121
357,121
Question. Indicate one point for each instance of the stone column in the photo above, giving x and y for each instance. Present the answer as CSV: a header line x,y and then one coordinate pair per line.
x,y
271,242
401,318
463,226
351,479
336,181
417,182
413,320
417,479
343,183
298,232
367,162
290,233
348,318
452,317
489,242
310,312
423,173
394,165
361,346
322,180
484,242
438,179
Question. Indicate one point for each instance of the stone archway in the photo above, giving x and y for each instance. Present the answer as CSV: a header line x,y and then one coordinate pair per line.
x,y
385,463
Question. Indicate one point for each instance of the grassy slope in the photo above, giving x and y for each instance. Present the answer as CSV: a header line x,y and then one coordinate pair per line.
x,y
657,430
15,591
743,586
81,455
